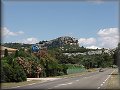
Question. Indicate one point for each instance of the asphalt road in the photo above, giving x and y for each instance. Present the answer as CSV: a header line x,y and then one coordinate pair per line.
x,y
91,80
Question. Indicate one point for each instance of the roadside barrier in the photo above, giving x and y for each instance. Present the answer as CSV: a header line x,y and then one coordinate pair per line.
x,y
75,70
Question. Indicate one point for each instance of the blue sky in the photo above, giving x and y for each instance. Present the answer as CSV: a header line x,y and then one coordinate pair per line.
x,y
48,20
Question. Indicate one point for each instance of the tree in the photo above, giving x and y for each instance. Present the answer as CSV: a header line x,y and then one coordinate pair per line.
x,y
6,53
12,74
16,53
18,73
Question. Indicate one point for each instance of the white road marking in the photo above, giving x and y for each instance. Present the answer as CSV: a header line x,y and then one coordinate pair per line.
x,y
60,85
63,84
69,83
98,88
101,84
77,80
106,79
109,76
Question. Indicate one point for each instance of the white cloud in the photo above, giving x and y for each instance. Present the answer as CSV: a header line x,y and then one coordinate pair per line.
x,y
108,37
93,47
87,41
6,32
31,40
108,32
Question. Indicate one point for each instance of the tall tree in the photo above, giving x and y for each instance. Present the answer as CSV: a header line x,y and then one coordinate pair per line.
x,y
16,53
6,53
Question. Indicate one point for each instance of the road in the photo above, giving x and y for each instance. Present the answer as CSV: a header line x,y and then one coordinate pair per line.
x,y
91,80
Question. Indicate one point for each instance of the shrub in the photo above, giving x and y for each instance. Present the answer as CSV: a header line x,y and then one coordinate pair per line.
x,y
12,72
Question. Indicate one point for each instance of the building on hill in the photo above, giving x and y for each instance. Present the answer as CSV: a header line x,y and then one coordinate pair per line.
x,y
59,42
92,52
10,50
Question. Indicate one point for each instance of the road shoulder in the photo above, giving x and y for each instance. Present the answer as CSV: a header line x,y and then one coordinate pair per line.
x,y
113,81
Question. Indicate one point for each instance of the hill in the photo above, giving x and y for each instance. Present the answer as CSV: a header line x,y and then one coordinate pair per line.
x,y
59,42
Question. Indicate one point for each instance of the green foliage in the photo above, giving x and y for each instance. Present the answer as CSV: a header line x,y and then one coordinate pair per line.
x,y
74,68
16,45
16,53
74,49
7,72
22,53
55,63
12,72
116,55
18,73
51,66
6,53
89,61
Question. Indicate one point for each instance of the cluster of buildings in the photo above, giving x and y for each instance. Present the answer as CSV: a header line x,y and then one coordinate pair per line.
x,y
92,52
59,42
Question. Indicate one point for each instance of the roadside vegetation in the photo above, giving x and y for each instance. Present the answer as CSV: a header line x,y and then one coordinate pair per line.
x,y
24,63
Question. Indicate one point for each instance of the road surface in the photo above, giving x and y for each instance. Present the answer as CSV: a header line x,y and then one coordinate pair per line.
x,y
91,80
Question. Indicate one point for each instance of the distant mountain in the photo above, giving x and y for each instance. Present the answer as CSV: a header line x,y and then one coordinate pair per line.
x,y
59,42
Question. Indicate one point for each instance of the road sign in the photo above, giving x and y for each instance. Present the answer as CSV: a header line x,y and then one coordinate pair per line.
x,y
35,48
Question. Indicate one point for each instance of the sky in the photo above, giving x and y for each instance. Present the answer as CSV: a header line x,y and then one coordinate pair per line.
x,y
94,23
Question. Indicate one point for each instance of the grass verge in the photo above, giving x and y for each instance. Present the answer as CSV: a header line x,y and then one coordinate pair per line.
x,y
113,81
14,84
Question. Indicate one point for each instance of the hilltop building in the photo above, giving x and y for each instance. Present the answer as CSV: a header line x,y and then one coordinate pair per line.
x,y
59,42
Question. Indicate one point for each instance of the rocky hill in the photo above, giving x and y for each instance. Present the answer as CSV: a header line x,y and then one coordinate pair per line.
x,y
59,42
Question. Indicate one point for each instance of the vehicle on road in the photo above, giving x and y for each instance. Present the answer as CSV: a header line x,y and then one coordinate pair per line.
x,y
101,70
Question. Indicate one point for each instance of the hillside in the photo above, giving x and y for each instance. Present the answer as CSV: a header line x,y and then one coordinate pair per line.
x,y
59,42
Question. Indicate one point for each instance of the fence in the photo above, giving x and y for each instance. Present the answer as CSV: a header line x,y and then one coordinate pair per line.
x,y
73,69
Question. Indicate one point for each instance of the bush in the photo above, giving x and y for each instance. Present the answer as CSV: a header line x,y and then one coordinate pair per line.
x,y
12,73
19,74
60,73
7,73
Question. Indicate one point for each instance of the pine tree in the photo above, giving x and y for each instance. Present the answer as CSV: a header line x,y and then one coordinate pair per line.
x,y
6,53
16,53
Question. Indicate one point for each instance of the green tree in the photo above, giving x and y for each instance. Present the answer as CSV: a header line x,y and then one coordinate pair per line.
x,y
12,72
16,53
18,73
6,53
